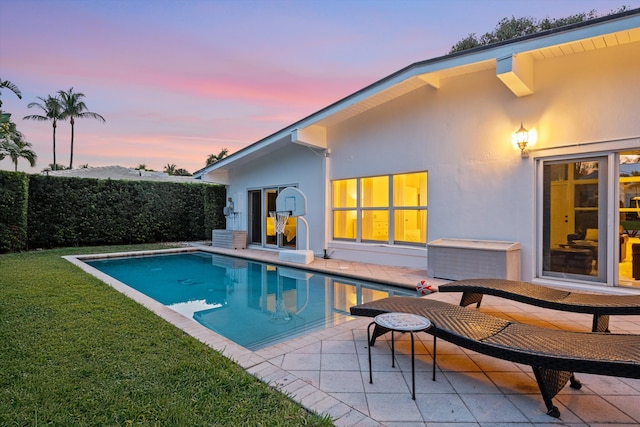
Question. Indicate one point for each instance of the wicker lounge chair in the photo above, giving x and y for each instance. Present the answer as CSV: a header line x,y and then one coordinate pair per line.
x,y
600,305
554,355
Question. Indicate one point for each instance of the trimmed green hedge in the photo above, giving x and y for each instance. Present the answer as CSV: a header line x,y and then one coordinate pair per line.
x,y
64,212
215,198
14,189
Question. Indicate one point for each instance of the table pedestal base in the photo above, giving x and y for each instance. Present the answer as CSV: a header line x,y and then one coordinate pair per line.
x,y
405,323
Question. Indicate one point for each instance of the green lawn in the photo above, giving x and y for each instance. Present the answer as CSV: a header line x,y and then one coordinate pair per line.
x,y
74,352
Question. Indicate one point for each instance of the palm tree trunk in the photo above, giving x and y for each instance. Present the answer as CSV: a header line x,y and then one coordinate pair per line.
x,y
71,160
55,166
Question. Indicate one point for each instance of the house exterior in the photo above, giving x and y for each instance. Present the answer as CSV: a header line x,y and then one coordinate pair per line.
x,y
427,156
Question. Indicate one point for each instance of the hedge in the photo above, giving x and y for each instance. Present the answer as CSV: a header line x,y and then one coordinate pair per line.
x,y
14,187
65,212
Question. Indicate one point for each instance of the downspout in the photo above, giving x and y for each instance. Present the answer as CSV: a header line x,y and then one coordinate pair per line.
x,y
327,201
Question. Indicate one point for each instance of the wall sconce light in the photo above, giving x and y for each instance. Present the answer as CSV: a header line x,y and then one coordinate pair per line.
x,y
522,138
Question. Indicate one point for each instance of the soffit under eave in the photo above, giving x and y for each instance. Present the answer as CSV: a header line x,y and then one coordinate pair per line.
x,y
218,176
517,71
402,88
591,43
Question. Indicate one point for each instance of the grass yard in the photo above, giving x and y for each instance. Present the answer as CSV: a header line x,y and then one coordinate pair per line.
x,y
74,352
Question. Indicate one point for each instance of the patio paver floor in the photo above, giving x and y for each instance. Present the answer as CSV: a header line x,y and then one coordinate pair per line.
x,y
328,371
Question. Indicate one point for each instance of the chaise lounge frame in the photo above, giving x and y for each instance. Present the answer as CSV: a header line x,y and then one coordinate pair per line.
x,y
599,305
554,355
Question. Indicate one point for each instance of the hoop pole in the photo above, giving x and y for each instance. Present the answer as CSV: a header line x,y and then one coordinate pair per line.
x,y
306,225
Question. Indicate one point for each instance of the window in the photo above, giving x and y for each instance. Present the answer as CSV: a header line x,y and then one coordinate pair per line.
x,y
410,203
388,208
345,197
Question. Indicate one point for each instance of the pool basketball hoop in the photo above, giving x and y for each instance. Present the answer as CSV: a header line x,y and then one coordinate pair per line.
x,y
279,220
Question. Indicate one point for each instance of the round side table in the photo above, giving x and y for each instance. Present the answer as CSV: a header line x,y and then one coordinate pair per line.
x,y
403,322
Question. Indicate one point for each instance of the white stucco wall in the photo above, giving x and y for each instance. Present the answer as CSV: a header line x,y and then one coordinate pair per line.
x,y
295,165
479,187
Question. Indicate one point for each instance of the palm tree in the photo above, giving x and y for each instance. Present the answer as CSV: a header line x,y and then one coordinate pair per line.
x,y
6,84
170,169
7,131
5,118
214,159
52,112
12,144
21,149
73,106
6,127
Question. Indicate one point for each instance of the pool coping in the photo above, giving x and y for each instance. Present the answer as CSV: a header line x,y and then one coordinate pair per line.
x,y
251,255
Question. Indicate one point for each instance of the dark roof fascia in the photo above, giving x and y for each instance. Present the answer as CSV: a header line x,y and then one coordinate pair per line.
x,y
420,64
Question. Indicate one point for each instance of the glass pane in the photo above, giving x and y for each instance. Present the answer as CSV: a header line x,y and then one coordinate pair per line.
x,y
573,210
290,232
255,216
630,193
345,193
270,226
410,225
375,225
629,205
374,192
410,189
344,224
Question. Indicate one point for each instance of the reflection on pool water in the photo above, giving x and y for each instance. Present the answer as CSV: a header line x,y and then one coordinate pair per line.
x,y
251,303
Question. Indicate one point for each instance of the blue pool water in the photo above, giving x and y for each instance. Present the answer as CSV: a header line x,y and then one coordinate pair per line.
x,y
251,303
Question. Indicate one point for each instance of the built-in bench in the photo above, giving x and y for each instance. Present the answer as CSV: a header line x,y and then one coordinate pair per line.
x,y
600,305
554,355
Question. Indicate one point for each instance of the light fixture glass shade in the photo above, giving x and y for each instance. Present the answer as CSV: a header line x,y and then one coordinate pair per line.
x,y
522,135
521,139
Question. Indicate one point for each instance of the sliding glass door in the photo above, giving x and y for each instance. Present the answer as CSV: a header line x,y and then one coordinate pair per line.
x,y
262,229
574,219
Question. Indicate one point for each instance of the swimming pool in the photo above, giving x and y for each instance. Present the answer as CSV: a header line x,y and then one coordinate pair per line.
x,y
252,303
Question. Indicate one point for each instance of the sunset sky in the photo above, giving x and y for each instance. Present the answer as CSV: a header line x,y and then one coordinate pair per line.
x,y
179,80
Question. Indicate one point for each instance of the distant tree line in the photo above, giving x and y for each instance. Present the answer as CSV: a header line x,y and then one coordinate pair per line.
x,y
172,169
510,28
